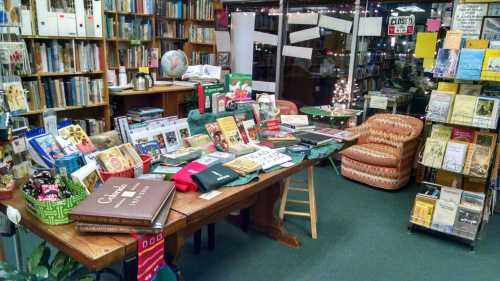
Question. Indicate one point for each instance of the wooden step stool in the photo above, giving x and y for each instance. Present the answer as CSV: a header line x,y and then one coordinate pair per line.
x,y
311,202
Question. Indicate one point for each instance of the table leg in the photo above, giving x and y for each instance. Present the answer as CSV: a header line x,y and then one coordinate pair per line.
x,y
333,165
173,246
263,217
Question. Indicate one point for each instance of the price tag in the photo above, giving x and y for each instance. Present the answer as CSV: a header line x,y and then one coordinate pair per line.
x,y
210,195
144,69
378,102
135,42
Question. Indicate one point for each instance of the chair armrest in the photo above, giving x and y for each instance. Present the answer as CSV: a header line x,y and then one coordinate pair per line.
x,y
362,132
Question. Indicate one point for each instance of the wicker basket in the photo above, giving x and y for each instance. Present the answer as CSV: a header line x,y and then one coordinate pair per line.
x,y
56,212
128,173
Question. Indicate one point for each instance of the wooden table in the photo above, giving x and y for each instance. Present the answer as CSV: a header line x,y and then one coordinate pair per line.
x,y
94,251
188,214
169,98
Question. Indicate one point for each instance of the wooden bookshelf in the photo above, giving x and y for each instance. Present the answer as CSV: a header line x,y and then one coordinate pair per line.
x,y
99,111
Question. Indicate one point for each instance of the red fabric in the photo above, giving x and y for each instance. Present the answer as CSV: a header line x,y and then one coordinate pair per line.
x,y
150,255
182,179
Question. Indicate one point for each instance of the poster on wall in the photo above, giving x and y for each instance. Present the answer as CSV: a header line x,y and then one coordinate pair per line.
x,y
401,25
491,29
469,18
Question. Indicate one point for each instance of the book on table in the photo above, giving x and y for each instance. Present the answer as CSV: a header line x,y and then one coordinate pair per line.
x,y
124,201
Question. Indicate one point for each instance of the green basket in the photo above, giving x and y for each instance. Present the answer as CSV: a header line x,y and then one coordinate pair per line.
x,y
55,213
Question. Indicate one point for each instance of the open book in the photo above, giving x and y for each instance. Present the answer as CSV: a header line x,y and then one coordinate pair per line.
x,y
203,72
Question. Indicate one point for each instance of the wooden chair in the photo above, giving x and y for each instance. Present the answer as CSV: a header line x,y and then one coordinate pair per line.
x,y
288,107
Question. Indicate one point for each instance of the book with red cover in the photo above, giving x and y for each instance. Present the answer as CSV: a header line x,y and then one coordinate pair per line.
x,y
124,201
462,134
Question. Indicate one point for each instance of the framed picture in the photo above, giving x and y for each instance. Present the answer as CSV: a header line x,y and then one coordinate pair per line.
x,y
224,59
491,28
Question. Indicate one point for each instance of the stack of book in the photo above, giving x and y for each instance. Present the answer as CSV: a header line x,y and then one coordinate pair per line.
x,y
142,114
294,123
123,205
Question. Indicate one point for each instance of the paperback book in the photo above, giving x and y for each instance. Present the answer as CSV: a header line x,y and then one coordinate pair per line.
x,y
470,64
439,107
446,63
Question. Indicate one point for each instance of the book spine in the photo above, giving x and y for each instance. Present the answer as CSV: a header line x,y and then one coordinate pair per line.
x,y
107,228
109,220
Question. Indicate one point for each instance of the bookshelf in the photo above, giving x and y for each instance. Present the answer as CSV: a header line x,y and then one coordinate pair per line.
x,y
188,25
67,69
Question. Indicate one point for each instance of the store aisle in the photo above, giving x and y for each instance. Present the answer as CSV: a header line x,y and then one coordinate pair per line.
x,y
361,236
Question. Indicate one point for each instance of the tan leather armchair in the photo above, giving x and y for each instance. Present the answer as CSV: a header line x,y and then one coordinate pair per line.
x,y
384,154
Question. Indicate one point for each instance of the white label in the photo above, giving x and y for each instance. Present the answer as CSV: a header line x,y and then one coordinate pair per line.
x,y
210,195
335,24
370,26
303,18
378,102
297,52
128,194
13,215
303,35
265,38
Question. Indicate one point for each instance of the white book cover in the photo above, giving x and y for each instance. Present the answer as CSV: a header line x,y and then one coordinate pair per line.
x,y
296,120
444,216
450,194
439,106
454,158
486,113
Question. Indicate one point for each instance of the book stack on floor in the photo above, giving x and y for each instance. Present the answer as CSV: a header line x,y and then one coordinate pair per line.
x,y
123,205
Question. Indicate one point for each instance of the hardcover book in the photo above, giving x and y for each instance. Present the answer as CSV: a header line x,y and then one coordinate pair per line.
x,y
441,132
491,65
486,113
88,177
124,201
157,226
444,216
76,135
455,156
470,64
446,63
250,129
215,133
462,134
229,130
112,160
463,110
151,148
423,210
47,148
434,153
439,106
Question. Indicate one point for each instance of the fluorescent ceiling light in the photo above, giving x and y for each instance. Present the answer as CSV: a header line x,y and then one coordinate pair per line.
x,y
410,9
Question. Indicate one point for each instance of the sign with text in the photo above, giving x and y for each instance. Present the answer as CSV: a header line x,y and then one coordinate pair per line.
x,y
401,25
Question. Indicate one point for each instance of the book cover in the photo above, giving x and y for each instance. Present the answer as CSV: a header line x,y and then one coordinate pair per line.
x,y
446,63
151,148
491,65
444,216
250,129
88,176
454,157
467,222
439,106
434,153
486,139
243,132
76,135
129,152
441,132
124,201
476,43
470,64
182,128
229,130
47,147
473,200
112,160
486,113
243,166
450,87
453,39
450,194
218,102
463,110
480,161
16,99
426,44
295,120
171,138
462,134
423,210
470,89
240,84
215,134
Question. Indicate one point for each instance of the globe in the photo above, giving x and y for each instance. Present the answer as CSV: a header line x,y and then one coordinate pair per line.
x,y
174,63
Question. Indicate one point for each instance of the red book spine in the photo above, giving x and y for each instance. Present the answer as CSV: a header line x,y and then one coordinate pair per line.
x,y
201,99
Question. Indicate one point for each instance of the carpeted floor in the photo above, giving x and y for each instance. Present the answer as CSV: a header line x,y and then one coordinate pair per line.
x,y
362,235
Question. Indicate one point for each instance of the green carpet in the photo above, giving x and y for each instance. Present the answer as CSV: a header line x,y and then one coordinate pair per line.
x,y
362,235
